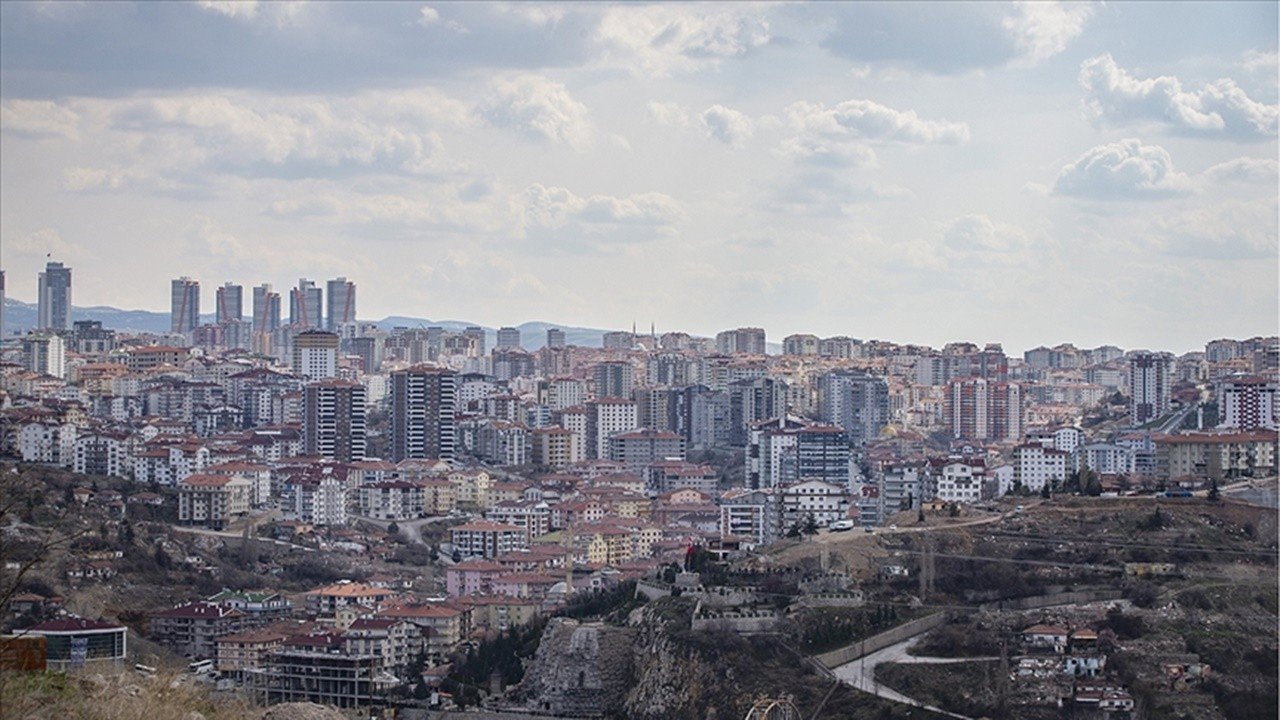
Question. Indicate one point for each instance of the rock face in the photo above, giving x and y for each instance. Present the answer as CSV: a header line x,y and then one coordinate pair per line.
x,y
580,669
659,668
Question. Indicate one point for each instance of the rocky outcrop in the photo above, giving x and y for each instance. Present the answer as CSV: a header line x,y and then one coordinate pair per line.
x,y
659,668
580,669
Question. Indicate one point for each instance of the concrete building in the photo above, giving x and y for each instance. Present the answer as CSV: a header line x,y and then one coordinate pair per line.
x,y
184,305
508,338
53,301
855,401
606,417
306,305
423,401
555,338
981,409
1150,386
341,296
77,642
801,345
229,304
487,539
333,420
1196,458
1035,466
1248,402
44,354
614,379
315,355
637,449
193,629
266,309
742,341
212,501
825,502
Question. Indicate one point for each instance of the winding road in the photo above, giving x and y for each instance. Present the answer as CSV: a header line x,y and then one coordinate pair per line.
x,y
861,673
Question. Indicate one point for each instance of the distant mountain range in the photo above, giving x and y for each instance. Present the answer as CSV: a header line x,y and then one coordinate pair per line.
x,y
20,317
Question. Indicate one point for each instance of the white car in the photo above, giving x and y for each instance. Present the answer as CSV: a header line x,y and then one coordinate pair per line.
x,y
840,526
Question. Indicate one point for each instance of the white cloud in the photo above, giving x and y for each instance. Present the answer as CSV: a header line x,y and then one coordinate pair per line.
x,y
667,113
1041,30
1115,96
663,39
39,118
1227,231
726,125
280,13
824,151
428,16
1245,170
1120,171
539,107
977,234
1258,61
41,242
872,121
555,207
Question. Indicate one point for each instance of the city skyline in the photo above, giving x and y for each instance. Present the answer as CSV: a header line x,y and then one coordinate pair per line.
x,y
1014,173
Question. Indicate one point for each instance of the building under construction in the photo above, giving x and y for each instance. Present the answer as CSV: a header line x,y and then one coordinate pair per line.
x,y
341,680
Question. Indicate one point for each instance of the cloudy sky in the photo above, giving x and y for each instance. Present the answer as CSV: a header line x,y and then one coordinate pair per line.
x,y
1021,173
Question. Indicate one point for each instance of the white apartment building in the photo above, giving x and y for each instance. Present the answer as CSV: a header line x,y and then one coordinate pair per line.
x,y
488,539
1105,458
391,500
319,501
826,502
606,418
961,482
1035,466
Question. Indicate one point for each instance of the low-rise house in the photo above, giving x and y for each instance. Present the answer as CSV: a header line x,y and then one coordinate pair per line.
x,y
1045,638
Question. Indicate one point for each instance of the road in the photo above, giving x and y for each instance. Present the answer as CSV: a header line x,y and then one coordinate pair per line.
x,y
826,536
240,535
410,529
861,674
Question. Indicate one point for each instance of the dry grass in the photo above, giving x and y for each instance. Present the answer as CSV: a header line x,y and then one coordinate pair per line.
x,y
112,696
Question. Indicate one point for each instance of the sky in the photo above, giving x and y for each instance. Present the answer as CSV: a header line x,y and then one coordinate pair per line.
x,y
1018,173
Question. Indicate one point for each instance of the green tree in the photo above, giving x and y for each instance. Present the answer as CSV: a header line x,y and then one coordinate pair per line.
x,y
1214,494
1044,492
810,525
393,530
794,530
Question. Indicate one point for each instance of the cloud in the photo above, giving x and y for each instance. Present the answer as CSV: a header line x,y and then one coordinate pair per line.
x,y
665,39
1227,231
726,125
948,38
41,242
428,16
1245,170
556,207
539,107
827,152
1125,170
1041,30
872,121
977,234
280,13
667,113
39,118
1221,108
1258,61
